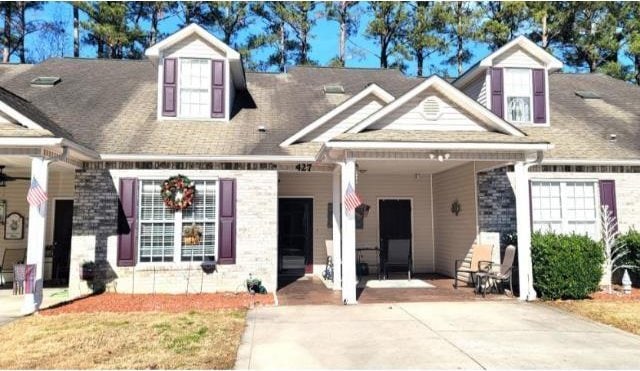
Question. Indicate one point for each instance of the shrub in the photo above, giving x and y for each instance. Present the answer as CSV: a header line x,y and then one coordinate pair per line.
x,y
565,266
631,242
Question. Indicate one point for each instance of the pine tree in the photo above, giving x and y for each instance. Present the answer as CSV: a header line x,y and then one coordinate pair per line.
x,y
344,13
460,21
153,13
276,34
227,18
108,28
387,29
631,28
594,41
503,21
423,37
76,31
8,40
551,22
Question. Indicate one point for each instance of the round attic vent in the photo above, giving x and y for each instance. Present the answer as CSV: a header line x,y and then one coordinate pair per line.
x,y
431,108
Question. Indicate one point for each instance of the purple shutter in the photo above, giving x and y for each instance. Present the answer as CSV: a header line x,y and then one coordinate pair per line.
x,y
497,92
127,222
227,222
169,86
539,99
608,197
217,88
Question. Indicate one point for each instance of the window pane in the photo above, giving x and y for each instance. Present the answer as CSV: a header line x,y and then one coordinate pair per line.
x,y
199,224
155,224
518,92
519,109
194,87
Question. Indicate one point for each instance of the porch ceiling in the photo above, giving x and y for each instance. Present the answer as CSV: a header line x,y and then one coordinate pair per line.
x,y
21,165
423,166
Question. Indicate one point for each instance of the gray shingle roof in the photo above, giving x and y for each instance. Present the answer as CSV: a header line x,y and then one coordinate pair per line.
x,y
434,137
110,106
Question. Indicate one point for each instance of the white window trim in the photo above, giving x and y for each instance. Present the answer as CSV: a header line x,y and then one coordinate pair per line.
x,y
505,97
177,228
179,114
563,205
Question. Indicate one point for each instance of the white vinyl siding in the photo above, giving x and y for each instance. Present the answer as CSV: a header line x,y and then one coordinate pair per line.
x,y
565,207
195,84
158,224
477,89
202,214
410,116
518,95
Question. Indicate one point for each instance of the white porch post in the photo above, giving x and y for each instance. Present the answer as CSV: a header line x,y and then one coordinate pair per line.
x,y
35,238
523,215
337,234
348,236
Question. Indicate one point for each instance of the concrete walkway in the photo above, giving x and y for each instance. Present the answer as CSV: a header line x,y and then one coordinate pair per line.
x,y
470,335
11,305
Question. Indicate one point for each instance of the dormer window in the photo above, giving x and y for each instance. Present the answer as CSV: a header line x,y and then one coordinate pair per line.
x,y
518,95
195,88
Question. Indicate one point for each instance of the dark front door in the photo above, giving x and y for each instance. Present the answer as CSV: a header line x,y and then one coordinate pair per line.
x,y
63,219
395,223
295,236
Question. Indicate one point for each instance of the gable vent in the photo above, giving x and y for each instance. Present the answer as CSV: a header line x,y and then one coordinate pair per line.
x,y
431,108
46,80
587,94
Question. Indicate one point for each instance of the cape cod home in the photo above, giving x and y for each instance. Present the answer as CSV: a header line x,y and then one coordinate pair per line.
x,y
512,145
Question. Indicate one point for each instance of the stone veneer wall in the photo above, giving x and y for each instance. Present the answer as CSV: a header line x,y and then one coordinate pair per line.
x,y
95,226
496,204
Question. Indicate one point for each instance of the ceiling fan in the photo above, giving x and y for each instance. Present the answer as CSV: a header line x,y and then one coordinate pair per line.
x,y
4,178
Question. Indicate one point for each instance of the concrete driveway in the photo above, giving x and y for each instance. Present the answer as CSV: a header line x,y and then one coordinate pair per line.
x,y
470,335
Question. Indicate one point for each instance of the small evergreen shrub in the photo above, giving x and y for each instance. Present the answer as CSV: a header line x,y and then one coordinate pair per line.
x,y
565,266
631,242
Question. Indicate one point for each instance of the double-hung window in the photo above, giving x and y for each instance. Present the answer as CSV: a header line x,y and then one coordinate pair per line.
x,y
565,207
173,236
195,85
518,91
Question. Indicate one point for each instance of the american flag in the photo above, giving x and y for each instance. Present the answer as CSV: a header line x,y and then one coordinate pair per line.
x,y
36,194
351,199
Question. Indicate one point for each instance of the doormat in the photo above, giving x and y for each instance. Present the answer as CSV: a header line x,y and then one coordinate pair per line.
x,y
395,283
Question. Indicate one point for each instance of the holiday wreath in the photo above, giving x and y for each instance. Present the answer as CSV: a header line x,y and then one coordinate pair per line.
x,y
177,192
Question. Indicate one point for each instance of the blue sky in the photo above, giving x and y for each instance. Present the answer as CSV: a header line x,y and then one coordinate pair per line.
x,y
361,50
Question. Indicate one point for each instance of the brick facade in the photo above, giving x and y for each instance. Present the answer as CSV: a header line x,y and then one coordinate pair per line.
x,y
496,204
95,225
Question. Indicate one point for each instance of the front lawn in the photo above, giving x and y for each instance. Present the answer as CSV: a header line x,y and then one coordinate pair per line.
x,y
137,340
619,311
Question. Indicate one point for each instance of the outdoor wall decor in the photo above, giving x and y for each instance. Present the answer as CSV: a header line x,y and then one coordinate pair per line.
x,y
3,210
14,227
455,207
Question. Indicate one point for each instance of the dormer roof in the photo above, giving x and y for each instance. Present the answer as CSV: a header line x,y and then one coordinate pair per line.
x,y
235,61
547,59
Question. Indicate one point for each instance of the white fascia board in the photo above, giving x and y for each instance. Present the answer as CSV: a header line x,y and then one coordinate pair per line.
x,y
83,152
550,61
442,146
591,162
22,119
154,51
371,89
450,91
189,158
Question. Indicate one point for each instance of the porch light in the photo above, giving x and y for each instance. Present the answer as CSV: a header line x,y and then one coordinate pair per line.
x,y
3,178
439,156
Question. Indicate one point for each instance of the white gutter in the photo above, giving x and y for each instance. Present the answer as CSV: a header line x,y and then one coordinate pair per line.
x,y
441,145
189,158
590,162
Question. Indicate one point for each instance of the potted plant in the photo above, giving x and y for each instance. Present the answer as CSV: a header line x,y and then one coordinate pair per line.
x,y
87,270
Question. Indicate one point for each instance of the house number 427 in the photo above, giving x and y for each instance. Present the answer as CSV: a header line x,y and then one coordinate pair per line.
x,y
303,167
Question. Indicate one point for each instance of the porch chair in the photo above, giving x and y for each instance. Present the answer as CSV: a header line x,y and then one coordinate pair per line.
x,y
499,274
328,270
479,256
398,255
9,259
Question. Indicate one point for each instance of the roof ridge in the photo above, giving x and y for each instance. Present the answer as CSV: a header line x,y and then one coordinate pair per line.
x,y
378,69
97,59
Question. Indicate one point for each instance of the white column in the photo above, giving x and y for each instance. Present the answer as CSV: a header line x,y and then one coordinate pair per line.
x,y
523,215
348,237
36,233
337,234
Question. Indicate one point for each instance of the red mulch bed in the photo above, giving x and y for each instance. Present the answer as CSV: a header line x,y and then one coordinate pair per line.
x,y
617,295
109,302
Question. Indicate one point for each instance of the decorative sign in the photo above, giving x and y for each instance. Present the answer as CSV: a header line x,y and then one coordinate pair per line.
x,y
14,227
455,207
